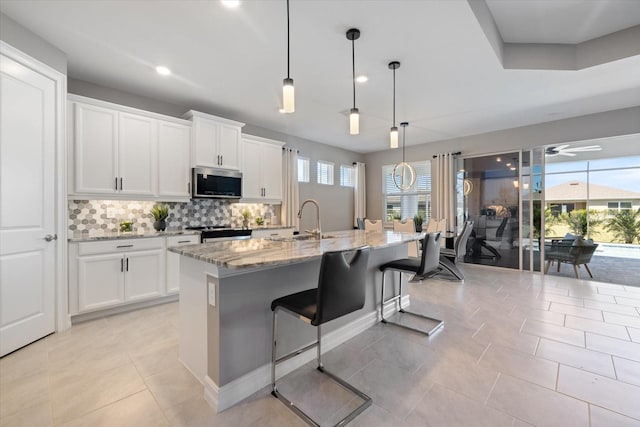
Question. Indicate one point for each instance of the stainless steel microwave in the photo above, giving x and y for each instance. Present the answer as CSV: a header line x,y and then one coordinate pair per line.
x,y
216,184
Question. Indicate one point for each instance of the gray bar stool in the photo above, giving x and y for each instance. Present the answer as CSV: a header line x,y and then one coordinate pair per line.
x,y
421,267
341,290
448,256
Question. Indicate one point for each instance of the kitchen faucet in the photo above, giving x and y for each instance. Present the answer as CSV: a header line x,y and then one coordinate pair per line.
x,y
318,231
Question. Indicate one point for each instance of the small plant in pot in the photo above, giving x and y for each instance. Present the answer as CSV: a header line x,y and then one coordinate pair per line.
x,y
245,218
417,221
160,214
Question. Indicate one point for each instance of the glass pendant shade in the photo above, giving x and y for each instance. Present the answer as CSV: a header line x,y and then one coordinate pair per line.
x,y
354,122
288,96
393,137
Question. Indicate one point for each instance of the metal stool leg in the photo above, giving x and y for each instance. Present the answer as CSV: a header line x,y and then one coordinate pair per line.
x,y
397,298
299,412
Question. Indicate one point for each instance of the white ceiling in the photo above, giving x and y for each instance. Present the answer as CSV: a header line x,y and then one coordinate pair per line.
x,y
562,21
232,62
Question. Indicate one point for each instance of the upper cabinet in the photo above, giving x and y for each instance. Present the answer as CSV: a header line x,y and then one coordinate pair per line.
x,y
124,153
215,141
261,170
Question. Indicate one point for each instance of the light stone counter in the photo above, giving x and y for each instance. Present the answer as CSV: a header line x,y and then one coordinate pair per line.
x,y
93,235
226,289
238,254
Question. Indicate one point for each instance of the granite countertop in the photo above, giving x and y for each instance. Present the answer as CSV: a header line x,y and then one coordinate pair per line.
x,y
239,254
93,235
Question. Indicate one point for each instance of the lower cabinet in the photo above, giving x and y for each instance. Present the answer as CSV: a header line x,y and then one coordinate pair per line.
x,y
173,260
109,273
261,233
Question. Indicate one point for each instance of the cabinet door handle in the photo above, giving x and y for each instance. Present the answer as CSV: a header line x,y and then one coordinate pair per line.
x,y
120,183
184,241
116,183
188,187
124,246
221,160
127,263
122,265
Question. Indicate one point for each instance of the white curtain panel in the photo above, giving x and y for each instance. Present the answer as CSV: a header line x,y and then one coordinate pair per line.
x,y
443,194
359,194
290,195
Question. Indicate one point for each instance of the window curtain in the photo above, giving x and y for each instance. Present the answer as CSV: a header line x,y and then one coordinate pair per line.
x,y
444,189
359,194
290,196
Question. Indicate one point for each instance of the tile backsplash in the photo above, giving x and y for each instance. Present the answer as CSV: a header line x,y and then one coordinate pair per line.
x,y
92,214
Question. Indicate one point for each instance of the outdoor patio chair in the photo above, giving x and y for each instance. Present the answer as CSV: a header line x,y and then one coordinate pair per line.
x,y
577,252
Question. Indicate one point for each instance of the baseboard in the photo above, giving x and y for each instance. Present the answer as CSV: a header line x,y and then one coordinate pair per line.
x,y
84,317
223,397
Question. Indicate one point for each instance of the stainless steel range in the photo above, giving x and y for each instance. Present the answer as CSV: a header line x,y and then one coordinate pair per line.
x,y
220,233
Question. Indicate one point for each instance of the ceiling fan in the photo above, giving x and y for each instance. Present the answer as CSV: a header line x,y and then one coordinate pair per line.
x,y
564,150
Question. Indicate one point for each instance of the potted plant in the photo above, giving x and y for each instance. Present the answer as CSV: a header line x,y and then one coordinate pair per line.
x,y
245,218
417,221
259,221
160,214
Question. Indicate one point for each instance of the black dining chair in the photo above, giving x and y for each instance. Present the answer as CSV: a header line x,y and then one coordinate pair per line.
x,y
448,256
421,268
341,290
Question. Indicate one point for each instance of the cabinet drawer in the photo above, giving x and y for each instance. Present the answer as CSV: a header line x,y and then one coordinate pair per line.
x,y
182,240
119,245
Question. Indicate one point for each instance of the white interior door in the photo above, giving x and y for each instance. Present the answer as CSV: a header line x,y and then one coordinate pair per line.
x,y
27,205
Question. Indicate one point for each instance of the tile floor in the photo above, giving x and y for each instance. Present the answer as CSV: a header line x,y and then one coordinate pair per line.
x,y
516,350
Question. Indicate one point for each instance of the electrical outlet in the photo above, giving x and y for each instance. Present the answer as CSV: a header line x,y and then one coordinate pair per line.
x,y
111,212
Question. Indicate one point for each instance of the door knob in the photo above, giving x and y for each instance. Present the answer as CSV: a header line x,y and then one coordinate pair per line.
x,y
50,237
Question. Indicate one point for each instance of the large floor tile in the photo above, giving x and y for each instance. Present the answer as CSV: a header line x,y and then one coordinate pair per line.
x,y
601,417
21,393
626,349
587,313
597,327
402,351
621,319
627,370
578,357
395,389
537,405
376,416
36,415
156,361
27,361
611,307
443,407
527,367
174,386
553,332
74,399
598,390
632,302
553,317
138,410
492,334
634,333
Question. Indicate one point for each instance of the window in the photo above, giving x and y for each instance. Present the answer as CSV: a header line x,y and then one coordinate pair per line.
x,y
617,206
303,169
347,175
325,173
400,204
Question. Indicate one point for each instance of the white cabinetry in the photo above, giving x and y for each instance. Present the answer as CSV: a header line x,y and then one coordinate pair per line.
x,y
261,170
173,260
126,153
174,175
109,273
215,141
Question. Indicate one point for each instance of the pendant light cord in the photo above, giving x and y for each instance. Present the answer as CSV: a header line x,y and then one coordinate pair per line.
x,y
404,132
288,76
353,68
394,97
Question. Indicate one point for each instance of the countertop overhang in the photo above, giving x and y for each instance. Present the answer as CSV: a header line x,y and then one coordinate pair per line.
x,y
255,253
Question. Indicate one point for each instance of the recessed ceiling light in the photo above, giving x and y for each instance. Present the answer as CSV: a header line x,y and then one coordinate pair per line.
x,y
281,111
163,71
362,79
498,159
231,4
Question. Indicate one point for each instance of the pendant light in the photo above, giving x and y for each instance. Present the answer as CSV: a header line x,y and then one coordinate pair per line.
x,y
404,175
393,135
354,117
288,93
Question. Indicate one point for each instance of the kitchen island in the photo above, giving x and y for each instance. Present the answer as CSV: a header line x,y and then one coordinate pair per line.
x,y
226,290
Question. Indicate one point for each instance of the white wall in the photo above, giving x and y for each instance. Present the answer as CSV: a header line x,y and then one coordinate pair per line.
x,y
33,45
601,125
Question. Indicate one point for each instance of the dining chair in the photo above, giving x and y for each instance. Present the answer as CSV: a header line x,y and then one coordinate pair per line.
x,y
407,226
373,225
